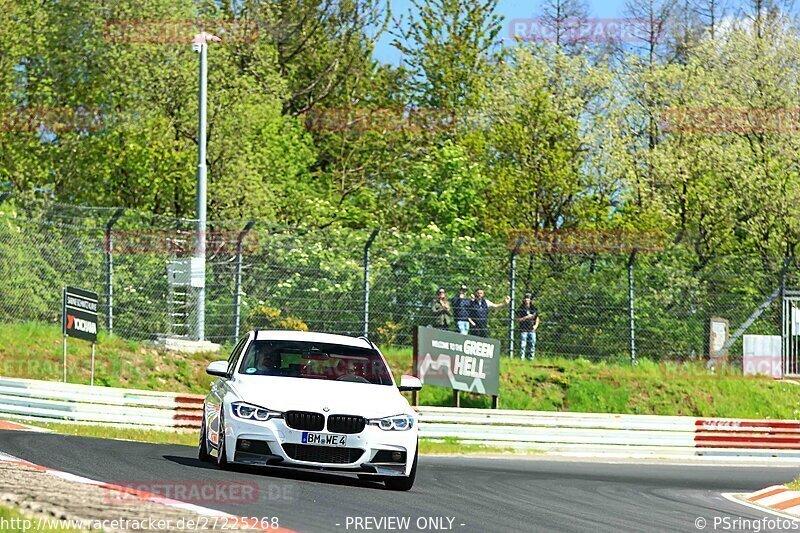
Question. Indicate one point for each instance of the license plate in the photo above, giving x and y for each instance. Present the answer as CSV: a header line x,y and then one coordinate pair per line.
x,y
324,439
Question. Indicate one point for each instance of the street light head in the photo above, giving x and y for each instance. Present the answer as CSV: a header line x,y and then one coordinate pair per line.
x,y
203,38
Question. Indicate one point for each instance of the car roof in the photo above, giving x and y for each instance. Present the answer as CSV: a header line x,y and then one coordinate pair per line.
x,y
310,336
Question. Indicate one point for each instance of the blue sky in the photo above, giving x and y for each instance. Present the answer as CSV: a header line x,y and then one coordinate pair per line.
x,y
515,9
510,9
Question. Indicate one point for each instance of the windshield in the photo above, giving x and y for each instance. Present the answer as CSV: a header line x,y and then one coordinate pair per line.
x,y
312,360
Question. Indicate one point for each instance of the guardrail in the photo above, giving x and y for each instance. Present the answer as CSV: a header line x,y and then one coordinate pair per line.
x,y
622,435
47,400
555,432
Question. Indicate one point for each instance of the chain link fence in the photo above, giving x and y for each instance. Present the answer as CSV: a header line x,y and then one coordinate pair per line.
x,y
358,282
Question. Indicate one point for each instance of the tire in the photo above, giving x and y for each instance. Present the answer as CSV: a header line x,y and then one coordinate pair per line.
x,y
403,483
222,456
202,447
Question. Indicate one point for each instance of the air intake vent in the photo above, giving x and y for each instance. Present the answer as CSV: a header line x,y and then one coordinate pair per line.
x,y
346,424
304,420
322,454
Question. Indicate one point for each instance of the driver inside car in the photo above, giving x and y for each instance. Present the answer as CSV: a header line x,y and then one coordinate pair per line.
x,y
268,362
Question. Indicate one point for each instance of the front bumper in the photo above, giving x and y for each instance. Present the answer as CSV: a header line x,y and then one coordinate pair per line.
x,y
368,452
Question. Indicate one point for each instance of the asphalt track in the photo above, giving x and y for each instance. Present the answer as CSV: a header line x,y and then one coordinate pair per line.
x,y
479,494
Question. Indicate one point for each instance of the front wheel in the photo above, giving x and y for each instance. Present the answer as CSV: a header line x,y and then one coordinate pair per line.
x,y
403,483
202,448
222,456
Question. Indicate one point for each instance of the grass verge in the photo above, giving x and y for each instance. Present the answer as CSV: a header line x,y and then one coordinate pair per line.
x,y
33,350
450,445
184,437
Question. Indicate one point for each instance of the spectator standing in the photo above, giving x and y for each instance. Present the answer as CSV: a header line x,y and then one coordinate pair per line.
x,y
462,306
480,313
442,314
528,318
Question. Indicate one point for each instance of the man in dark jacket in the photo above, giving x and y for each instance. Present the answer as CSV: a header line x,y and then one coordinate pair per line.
x,y
528,319
462,306
480,313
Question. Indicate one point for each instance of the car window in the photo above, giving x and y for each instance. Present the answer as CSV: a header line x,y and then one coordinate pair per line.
x,y
315,361
235,355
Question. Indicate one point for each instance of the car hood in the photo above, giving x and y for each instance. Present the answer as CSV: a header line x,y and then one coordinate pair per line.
x,y
340,397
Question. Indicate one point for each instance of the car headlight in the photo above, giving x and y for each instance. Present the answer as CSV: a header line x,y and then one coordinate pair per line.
x,y
394,423
247,411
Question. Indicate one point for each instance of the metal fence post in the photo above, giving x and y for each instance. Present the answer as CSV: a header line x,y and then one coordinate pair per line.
x,y
512,275
237,291
367,246
110,270
631,261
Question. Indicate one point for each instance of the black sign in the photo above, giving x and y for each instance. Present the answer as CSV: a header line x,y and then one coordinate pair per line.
x,y
461,362
79,314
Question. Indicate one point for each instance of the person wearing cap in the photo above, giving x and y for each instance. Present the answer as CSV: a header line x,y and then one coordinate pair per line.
x,y
528,318
480,313
462,306
442,315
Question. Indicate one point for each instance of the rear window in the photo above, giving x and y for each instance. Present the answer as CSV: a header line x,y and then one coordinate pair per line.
x,y
332,362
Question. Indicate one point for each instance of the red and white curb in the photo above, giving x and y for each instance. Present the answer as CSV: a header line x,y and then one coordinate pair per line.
x,y
5,425
777,498
148,496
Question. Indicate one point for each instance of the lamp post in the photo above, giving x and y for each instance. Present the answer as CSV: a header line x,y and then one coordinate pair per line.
x,y
198,269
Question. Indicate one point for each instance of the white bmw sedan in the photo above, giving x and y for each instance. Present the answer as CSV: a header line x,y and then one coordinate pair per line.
x,y
311,400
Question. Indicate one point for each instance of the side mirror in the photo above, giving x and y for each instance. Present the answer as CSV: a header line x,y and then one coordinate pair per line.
x,y
219,369
408,383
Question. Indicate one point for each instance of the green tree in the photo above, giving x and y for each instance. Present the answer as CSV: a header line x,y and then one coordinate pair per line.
x,y
450,49
541,137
